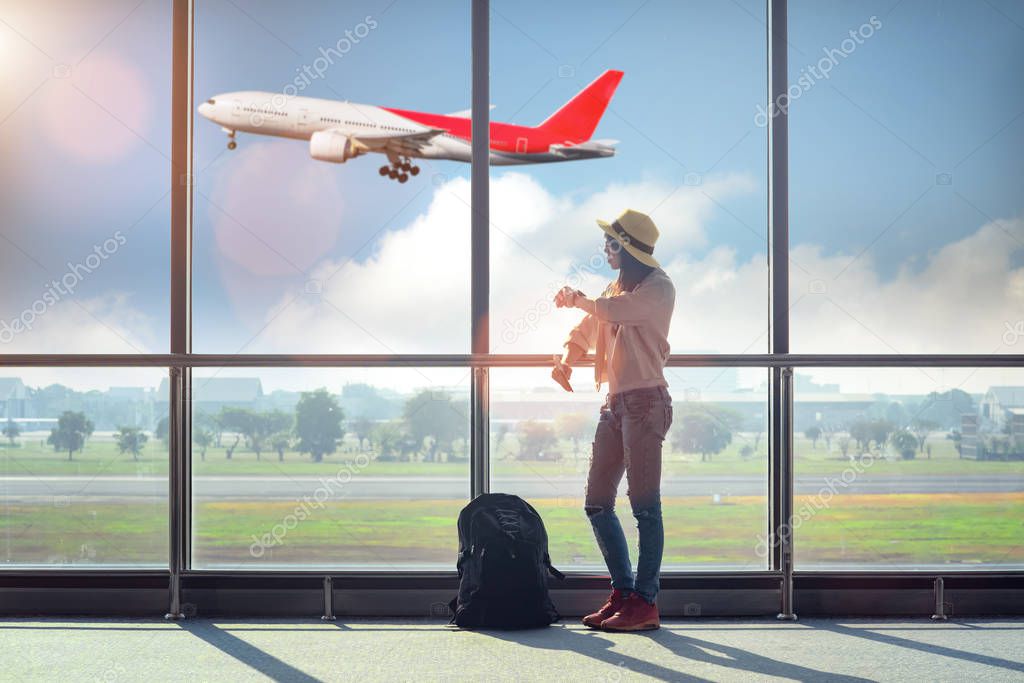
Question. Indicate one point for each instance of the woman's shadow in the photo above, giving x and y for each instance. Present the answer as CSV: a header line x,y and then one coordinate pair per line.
x,y
597,645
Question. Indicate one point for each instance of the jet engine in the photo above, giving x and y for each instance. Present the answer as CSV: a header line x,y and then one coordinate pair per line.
x,y
329,145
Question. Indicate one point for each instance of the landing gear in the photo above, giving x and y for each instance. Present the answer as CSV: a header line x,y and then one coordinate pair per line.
x,y
231,138
400,169
232,144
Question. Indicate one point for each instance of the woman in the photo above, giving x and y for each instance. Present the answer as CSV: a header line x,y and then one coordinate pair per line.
x,y
628,328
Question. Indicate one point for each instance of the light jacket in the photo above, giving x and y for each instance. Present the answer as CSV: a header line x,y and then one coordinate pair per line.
x,y
628,333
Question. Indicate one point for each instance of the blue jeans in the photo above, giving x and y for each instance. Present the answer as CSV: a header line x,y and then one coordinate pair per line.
x,y
630,432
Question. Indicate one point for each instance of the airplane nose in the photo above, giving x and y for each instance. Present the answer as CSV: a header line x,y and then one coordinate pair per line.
x,y
206,110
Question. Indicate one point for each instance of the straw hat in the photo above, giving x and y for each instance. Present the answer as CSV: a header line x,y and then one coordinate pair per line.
x,y
636,232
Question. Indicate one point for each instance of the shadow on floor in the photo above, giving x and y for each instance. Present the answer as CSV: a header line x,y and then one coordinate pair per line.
x,y
250,655
872,633
596,645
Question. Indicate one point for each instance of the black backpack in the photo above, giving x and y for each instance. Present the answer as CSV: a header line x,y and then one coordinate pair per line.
x,y
503,566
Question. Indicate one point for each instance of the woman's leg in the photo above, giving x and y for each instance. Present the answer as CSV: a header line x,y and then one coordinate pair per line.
x,y
606,468
647,415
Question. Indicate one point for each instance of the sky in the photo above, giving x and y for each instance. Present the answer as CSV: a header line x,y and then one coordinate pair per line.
x,y
905,178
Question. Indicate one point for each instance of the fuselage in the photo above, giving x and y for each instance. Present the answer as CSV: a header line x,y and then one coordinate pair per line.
x,y
265,113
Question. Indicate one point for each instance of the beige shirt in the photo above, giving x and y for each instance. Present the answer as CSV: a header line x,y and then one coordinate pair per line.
x,y
628,333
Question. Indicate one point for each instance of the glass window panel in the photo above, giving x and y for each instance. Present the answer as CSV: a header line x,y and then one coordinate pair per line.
x,y
917,468
905,146
689,151
295,254
714,505
83,467
341,468
85,167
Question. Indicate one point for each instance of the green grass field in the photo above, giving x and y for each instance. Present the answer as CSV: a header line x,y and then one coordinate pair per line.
x,y
877,530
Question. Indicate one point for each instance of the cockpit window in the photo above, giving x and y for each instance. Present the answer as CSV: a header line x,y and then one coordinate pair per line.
x,y
211,101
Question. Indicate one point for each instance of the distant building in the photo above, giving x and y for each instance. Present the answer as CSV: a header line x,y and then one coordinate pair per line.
x,y
210,394
1016,417
13,398
998,405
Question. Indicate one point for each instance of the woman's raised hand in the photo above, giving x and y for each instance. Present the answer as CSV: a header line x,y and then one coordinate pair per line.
x,y
565,297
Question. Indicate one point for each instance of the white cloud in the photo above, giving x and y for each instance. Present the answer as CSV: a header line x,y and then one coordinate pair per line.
x,y
958,299
412,295
107,325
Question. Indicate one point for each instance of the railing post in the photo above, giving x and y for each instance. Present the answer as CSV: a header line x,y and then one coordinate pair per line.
x,y
328,614
939,589
176,494
786,495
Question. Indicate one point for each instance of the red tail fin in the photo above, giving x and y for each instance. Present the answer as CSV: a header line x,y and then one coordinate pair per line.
x,y
578,117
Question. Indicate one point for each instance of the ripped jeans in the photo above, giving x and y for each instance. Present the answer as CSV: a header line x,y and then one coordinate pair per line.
x,y
630,432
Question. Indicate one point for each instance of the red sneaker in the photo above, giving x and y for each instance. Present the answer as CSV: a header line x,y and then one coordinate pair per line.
x,y
608,609
636,614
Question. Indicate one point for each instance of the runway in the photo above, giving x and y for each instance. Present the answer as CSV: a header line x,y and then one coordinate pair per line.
x,y
348,485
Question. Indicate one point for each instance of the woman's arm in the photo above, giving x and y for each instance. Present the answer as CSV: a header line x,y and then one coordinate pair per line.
x,y
626,307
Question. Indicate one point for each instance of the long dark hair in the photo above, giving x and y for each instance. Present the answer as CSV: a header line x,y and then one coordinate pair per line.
x,y
631,271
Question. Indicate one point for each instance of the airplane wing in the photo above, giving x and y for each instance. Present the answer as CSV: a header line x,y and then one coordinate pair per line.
x,y
466,113
400,143
585,150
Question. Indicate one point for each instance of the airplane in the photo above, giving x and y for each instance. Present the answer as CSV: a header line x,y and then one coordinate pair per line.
x,y
341,131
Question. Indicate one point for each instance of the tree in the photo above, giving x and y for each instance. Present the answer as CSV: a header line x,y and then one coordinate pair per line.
x,y
259,427
758,435
946,408
701,432
813,433
896,413
905,443
432,414
203,437
536,440
827,432
12,431
866,431
879,431
500,432
844,445
237,421
130,440
920,428
254,427
388,436
318,423
363,428
280,442
161,431
209,423
72,429
575,427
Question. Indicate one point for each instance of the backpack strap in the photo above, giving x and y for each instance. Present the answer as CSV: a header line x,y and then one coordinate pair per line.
x,y
551,568
452,605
